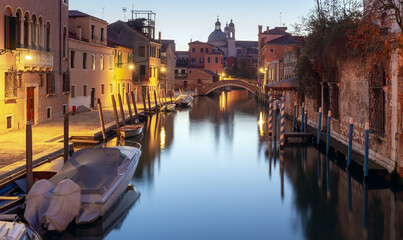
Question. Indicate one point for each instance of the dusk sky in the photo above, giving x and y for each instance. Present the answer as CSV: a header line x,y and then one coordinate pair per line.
x,y
182,20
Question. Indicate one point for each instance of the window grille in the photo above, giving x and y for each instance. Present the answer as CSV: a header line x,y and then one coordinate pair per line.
x,y
377,102
10,82
50,83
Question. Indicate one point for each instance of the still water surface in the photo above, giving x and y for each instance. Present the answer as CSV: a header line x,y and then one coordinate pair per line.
x,y
210,172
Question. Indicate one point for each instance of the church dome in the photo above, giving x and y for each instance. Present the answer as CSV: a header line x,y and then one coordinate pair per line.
x,y
231,24
217,38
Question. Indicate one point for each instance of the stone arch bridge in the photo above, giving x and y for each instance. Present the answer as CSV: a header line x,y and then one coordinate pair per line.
x,y
204,90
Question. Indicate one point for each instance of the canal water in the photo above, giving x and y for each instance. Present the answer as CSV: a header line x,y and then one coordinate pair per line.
x,y
211,172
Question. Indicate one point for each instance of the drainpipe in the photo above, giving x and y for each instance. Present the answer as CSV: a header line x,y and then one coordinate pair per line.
x,y
394,105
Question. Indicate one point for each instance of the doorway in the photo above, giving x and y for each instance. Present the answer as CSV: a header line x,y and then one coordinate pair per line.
x,y
31,105
92,98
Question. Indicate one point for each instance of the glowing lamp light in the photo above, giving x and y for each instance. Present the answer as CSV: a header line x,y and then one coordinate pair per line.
x,y
163,69
162,139
260,122
131,66
28,57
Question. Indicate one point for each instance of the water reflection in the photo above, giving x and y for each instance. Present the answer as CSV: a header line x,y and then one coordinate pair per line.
x,y
211,172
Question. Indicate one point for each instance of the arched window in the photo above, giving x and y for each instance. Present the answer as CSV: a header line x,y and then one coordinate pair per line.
x,y
10,30
34,32
27,25
40,34
47,37
18,24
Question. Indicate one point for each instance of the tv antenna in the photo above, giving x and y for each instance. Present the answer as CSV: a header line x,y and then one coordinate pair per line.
x,y
124,10
280,18
103,8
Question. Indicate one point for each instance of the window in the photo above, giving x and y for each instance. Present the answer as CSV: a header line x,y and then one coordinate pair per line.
x,y
102,89
9,121
110,88
377,80
48,112
271,50
216,59
206,50
73,91
129,58
93,61
102,34
101,63
201,49
10,84
64,110
142,51
142,70
10,33
72,55
176,71
201,60
66,81
84,90
119,63
208,59
128,87
193,49
50,83
47,37
110,62
118,88
84,60
193,60
93,32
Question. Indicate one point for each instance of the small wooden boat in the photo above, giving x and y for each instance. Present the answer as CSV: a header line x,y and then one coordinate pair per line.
x,y
131,130
168,108
184,100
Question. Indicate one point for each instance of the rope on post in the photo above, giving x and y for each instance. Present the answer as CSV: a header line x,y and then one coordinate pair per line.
x,y
270,112
282,122
319,126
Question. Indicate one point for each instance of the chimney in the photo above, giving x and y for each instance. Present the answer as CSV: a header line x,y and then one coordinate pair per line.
x,y
79,32
159,37
268,28
260,29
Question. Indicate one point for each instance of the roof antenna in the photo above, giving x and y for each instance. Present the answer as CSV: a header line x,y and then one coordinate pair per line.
x,y
124,9
280,18
103,8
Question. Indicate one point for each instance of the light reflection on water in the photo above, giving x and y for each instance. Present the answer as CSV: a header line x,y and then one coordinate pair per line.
x,y
211,172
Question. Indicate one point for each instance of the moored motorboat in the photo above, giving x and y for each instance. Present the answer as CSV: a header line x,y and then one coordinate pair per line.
x,y
168,107
131,130
184,100
17,230
102,175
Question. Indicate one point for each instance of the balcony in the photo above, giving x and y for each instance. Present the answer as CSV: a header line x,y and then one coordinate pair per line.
x,y
33,60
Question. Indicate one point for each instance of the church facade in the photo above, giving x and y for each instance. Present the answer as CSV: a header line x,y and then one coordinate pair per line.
x,y
227,43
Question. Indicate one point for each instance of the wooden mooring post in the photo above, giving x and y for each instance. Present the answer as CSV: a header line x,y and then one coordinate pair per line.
x,y
28,153
156,101
135,105
66,138
270,113
295,116
282,122
144,95
101,119
319,126
122,112
129,106
350,142
115,113
302,118
329,125
366,150
149,102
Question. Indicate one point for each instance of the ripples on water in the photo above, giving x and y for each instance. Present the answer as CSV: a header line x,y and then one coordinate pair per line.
x,y
210,172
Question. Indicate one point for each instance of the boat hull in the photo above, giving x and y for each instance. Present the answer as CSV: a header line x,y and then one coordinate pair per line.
x,y
131,130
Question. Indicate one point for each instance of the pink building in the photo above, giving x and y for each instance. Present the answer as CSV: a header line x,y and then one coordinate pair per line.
x,y
34,75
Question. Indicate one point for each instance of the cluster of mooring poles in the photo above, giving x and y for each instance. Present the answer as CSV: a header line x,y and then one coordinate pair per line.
x,y
302,131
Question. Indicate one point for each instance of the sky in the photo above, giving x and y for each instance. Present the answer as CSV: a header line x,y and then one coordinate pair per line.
x,y
182,20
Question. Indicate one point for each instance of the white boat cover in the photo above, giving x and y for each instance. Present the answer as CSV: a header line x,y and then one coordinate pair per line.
x,y
37,201
93,169
64,206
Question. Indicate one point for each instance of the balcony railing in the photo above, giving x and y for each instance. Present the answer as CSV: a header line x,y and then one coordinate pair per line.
x,y
33,60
